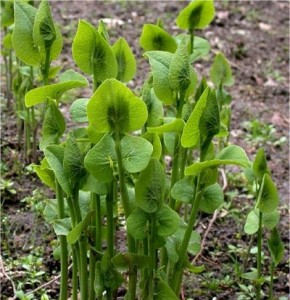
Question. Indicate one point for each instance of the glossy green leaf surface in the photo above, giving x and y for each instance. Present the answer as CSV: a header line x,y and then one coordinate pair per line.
x,y
114,107
68,80
154,37
276,246
191,134
268,197
231,155
150,187
125,59
212,198
54,155
136,153
221,72
93,54
45,33
160,63
197,14
100,160
78,110
22,37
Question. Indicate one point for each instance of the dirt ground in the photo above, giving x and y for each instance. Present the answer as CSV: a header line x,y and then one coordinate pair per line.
x,y
254,36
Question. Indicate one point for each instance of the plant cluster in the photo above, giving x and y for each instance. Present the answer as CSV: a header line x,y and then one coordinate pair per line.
x,y
110,173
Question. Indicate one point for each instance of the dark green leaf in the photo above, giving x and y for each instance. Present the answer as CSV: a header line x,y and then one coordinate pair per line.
x,y
137,224
276,246
168,221
260,165
212,198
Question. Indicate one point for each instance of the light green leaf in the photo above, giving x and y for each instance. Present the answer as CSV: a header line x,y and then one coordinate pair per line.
x,y
76,232
191,134
125,59
73,161
276,246
154,139
201,48
212,198
150,187
175,126
113,107
7,41
45,34
160,63
45,173
163,291
183,190
54,155
100,160
196,15
93,54
78,110
179,70
137,224
22,37
271,219
136,153
268,198
53,125
50,212
168,221
220,72
154,37
62,226
69,80
260,165
231,155
93,185
129,261
209,123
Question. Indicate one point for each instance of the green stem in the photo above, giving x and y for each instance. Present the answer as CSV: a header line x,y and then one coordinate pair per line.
x,y
259,257
271,280
83,249
178,268
74,274
127,210
46,66
152,257
63,245
191,33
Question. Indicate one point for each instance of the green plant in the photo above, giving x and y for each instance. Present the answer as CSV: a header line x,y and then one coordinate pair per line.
x,y
114,162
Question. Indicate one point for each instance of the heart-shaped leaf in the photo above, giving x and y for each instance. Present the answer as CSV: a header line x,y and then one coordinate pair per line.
x,y
62,226
125,59
212,198
160,63
69,80
276,247
137,224
136,153
220,72
167,221
22,36
93,54
78,110
45,34
268,197
54,155
150,187
183,190
231,155
154,37
45,173
114,108
191,133
197,14
100,160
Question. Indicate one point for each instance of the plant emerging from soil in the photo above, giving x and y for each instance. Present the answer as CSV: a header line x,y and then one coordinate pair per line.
x,y
110,174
